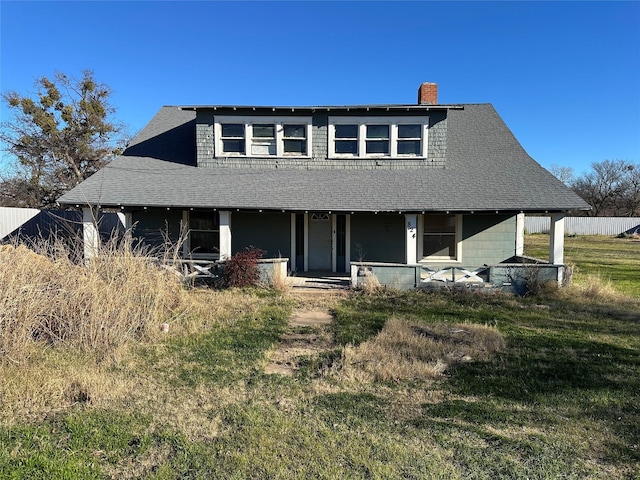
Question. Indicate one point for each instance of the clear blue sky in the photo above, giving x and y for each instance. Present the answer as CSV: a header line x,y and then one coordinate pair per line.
x,y
565,76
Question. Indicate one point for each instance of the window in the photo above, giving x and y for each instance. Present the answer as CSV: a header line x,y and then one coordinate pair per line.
x,y
233,138
346,139
377,139
391,137
204,234
440,237
263,136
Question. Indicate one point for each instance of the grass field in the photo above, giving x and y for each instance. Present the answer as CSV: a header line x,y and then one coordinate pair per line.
x,y
614,260
557,396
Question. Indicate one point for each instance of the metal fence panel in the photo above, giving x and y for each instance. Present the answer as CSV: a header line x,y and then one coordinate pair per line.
x,y
611,226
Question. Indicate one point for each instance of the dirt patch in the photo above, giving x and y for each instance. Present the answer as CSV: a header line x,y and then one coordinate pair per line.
x,y
309,333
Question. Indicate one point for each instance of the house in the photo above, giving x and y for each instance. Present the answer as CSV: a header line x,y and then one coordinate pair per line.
x,y
416,193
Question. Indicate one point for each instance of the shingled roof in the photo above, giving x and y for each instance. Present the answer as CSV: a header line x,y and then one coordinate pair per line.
x,y
486,169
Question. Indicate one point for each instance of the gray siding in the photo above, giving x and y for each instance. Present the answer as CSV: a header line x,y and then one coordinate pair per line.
x,y
436,148
487,239
377,238
269,231
319,136
204,137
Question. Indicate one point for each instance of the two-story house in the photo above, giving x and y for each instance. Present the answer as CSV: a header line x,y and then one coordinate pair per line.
x,y
332,188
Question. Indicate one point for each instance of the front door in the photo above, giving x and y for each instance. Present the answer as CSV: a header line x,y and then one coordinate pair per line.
x,y
320,241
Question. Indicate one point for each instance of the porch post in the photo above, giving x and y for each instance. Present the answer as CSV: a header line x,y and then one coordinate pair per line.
x,y
556,240
520,234
90,235
225,234
411,242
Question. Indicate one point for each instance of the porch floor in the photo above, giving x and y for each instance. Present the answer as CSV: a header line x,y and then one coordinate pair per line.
x,y
320,280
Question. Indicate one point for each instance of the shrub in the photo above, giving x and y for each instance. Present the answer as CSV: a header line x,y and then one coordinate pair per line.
x,y
241,270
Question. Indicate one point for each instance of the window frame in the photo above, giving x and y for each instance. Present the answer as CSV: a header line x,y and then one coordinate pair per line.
x,y
392,122
457,258
278,122
188,243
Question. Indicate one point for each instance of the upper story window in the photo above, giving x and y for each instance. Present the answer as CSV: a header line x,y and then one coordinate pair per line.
x,y
263,136
366,137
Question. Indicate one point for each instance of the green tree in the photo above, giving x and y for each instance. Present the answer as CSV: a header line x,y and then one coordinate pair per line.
x,y
58,138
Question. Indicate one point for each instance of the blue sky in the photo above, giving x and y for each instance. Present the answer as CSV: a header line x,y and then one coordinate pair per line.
x,y
565,76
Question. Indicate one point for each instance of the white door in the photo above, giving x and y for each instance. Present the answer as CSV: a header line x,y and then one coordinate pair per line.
x,y
320,241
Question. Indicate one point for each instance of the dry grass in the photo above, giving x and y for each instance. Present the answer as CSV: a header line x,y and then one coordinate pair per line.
x,y
407,350
592,288
371,285
49,300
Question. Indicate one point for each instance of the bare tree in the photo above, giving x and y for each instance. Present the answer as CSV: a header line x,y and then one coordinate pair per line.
x,y
611,188
564,174
58,138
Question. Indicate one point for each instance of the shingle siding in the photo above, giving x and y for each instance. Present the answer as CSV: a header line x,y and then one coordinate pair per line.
x,y
205,150
436,149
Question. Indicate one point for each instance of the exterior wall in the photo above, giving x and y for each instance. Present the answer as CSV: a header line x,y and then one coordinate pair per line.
x,y
436,146
269,231
378,238
150,225
487,239
204,137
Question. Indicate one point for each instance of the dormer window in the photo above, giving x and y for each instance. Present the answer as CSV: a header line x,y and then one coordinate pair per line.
x,y
378,137
263,136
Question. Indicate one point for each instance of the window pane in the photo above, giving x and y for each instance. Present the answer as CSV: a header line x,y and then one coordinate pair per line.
x,y
263,148
295,146
409,131
409,147
377,131
203,220
263,131
441,245
378,146
233,146
346,131
204,242
232,130
440,223
347,146
295,131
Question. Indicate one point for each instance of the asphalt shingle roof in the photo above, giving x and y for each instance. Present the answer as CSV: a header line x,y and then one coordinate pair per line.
x,y
486,169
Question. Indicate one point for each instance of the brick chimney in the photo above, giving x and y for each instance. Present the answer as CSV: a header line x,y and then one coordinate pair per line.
x,y
428,94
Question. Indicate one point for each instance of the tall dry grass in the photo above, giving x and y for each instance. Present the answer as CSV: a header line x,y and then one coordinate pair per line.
x,y
47,299
407,350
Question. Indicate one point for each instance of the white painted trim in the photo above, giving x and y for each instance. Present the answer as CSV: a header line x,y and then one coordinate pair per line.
x,y
556,239
411,239
293,242
248,121
392,121
90,235
520,234
225,234
306,242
